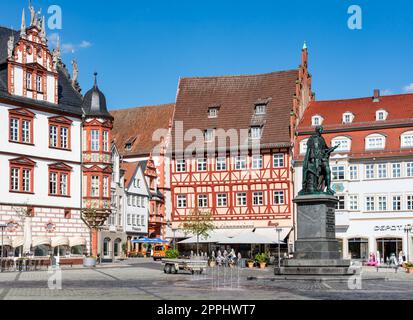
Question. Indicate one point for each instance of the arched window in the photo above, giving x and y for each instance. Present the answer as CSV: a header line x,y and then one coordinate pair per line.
x,y
407,139
317,120
303,146
348,117
375,142
344,144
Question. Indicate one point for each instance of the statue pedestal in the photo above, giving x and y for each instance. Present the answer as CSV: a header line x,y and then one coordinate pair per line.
x,y
316,248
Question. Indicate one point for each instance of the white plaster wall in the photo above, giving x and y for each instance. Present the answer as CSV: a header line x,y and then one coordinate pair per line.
x,y
50,89
18,81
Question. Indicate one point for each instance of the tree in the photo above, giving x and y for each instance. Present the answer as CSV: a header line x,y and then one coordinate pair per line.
x,y
198,223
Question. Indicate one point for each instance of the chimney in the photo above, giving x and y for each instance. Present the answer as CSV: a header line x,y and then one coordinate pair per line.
x,y
376,97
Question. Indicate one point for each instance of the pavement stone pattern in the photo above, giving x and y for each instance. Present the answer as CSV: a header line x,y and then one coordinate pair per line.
x,y
145,280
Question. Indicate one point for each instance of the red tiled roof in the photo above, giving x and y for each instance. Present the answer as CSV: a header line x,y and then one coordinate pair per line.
x,y
137,125
236,97
399,108
130,169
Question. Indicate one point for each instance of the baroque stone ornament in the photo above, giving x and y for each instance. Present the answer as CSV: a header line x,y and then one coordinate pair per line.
x,y
316,166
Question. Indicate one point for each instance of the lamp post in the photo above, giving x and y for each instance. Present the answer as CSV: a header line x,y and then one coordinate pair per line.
x,y
408,229
174,241
279,230
2,227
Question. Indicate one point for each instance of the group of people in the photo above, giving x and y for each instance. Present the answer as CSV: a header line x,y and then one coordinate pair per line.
x,y
222,258
376,259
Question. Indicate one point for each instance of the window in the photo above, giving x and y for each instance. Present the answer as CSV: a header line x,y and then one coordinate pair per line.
x,y
375,142
136,183
341,205
94,191
221,164
260,109
257,162
105,186
29,81
353,202
303,146
258,198
21,175
64,144
256,132
240,163
407,139
338,172
382,170
59,180
202,201
21,126
279,160
202,164
39,83
317,121
409,202
382,203
343,143
209,135
241,199
381,115
59,133
105,137
128,219
369,203
134,219
129,200
354,172
181,201
348,117
397,203
396,170
370,171
95,140
180,165
212,112
279,197
409,169
222,200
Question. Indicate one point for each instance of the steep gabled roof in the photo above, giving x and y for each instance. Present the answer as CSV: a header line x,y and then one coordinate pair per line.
x,y
130,169
137,125
236,97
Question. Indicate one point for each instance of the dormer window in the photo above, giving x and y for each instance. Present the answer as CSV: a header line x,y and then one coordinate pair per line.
x,y
381,115
128,146
375,142
317,121
348,117
344,144
213,112
209,135
256,132
260,109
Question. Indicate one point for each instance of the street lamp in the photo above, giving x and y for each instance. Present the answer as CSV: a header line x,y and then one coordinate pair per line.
x,y
408,229
174,229
279,230
2,227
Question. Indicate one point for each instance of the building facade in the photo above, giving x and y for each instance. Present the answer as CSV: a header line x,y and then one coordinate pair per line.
x,y
372,170
40,153
246,180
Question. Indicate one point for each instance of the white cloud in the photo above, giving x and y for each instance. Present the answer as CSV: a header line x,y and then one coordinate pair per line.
x,y
85,44
387,92
408,88
68,47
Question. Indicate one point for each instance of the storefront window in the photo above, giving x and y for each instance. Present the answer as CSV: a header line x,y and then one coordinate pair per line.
x,y
358,248
389,247
340,247
42,251
78,250
117,247
106,244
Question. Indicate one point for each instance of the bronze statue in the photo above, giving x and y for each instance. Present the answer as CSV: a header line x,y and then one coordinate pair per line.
x,y
316,167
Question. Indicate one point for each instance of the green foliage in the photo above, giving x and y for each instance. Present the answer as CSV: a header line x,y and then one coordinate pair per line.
x,y
198,223
172,254
262,258
408,265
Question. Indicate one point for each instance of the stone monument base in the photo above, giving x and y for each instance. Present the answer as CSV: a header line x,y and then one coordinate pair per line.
x,y
316,249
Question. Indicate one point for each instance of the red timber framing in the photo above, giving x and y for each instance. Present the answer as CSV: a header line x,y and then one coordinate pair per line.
x,y
18,121
255,183
22,175
104,141
56,133
103,183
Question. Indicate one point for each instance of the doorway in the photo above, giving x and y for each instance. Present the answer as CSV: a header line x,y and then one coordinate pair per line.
x,y
388,247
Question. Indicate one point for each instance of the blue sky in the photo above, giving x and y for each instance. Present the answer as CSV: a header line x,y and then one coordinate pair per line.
x,y
141,48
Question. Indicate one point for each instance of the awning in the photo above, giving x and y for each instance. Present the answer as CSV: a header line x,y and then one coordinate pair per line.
x,y
77,241
41,241
150,240
18,242
6,242
273,234
214,236
60,241
250,237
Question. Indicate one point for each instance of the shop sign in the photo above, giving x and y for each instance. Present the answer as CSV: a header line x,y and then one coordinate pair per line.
x,y
384,228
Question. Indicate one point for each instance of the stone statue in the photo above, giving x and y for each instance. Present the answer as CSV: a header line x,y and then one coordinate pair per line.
x,y
75,71
316,167
33,17
10,47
